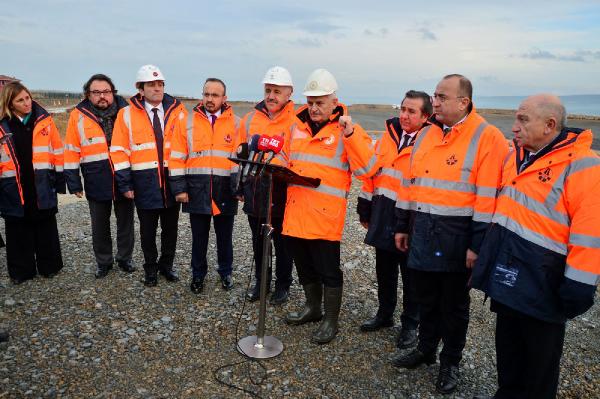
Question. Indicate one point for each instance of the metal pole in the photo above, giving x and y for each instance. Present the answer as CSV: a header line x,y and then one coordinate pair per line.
x,y
258,346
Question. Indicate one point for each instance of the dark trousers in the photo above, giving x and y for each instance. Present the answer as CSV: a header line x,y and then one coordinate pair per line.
x,y
386,269
317,261
149,218
101,236
444,300
32,246
528,355
283,259
223,231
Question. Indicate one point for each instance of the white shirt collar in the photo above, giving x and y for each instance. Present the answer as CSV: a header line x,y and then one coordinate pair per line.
x,y
457,123
208,114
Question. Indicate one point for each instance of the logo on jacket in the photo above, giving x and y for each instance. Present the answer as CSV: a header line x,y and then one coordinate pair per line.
x,y
545,175
329,140
451,160
227,138
45,131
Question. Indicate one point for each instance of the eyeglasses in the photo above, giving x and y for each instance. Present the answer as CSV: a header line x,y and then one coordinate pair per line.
x,y
443,98
99,93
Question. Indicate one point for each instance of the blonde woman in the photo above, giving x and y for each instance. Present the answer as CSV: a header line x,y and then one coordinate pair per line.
x,y
31,173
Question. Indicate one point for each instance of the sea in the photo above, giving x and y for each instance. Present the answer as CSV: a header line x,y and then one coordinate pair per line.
x,y
575,104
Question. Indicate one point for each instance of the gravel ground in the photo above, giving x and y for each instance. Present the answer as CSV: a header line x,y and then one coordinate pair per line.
x,y
77,337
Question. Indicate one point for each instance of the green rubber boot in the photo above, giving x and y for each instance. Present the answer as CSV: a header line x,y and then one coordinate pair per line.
x,y
312,307
329,326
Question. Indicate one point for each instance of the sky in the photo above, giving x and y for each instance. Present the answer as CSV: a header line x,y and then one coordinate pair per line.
x,y
377,50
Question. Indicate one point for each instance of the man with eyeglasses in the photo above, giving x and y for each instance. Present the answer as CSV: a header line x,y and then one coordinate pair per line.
x,y
140,153
454,173
87,143
202,179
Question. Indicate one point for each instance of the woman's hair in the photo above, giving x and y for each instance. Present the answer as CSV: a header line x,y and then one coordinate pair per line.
x,y
7,95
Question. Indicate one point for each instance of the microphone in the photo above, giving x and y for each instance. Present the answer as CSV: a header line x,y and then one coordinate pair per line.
x,y
275,146
253,147
263,147
242,151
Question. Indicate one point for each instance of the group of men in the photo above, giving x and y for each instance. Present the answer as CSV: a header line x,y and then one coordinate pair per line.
x,y
445,201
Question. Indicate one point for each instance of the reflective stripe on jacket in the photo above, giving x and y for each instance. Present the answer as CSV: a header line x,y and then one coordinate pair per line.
x,y
453,183
259,122
383,195
199,165
542,255
86,148
47,160
134,154
319,213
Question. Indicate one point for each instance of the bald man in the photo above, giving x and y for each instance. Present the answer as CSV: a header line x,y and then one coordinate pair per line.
x,y
539,260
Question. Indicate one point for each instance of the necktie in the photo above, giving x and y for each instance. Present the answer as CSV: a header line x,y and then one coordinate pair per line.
x,y
158,135
213,118
404,142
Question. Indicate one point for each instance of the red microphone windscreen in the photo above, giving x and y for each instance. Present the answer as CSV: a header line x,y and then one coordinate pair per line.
x,y
276,144
263,143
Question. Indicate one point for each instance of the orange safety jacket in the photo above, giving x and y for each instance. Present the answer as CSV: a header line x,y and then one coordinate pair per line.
x,y
542,255
386,193
319,213
259,122
86,147
453,183
199,163
134,154
47,159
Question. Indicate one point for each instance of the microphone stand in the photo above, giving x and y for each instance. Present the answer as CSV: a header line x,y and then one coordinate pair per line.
x,y
260,346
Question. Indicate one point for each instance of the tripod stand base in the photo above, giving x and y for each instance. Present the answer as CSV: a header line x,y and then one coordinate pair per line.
x,y
271,347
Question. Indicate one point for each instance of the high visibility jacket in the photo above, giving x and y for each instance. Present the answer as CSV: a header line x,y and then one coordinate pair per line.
x,y
541,256
259,122
453,183
47,162
134,154
319,213
387,189
199,165
86,147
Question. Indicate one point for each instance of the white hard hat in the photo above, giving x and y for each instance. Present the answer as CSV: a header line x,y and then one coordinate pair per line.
x,y
320,83
149,73
278,76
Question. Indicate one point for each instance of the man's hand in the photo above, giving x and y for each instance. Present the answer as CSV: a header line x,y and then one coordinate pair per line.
x,y
401,241
346,125
128,194
365,225
471,259
182,197
79,194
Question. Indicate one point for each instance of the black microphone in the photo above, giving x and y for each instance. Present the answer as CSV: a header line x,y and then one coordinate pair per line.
x,y
253,147
242,151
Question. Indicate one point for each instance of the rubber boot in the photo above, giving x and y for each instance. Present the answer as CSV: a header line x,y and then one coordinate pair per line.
x,y
312,307
329,326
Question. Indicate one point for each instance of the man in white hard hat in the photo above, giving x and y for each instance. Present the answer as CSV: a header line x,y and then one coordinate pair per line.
x,y
271,117
140,152
329,146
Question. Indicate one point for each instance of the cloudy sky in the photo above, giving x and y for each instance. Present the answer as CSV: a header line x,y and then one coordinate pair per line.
x,y
376,49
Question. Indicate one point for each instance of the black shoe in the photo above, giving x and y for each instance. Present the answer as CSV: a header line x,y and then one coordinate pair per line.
x,y
407,338
126,265
151,279
254,294
447,380
4,335
102,270
376,323
413,359
169,275
197,285
279,297
19,280
227,282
